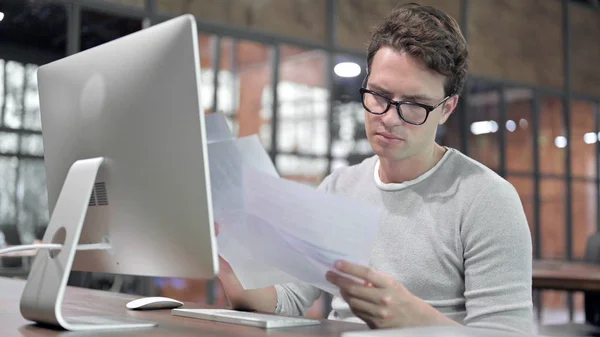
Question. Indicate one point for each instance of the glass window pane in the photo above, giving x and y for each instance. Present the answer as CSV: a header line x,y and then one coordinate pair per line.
x,y
524,186
518,130
228,95
32,198
553,204
253,64
31,113
206,45
583,139
349,139
483,112
15,81
584,220
552,139
98,27
8,172
2,93
303,169
32,145
9,142
303,101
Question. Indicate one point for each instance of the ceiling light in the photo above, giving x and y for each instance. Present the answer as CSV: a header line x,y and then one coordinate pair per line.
x,y
560,142
523,123
483,127
347,69
511,125
590,138
1,16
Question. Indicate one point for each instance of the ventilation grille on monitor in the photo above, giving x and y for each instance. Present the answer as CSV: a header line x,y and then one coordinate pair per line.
x,y
99,196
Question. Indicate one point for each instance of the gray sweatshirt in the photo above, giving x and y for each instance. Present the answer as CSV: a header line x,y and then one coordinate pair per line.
x,y
456,237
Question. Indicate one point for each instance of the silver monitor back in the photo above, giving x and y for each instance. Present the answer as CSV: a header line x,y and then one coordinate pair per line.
x,y
136,102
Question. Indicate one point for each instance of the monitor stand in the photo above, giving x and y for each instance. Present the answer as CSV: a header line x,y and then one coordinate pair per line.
x,y
42,298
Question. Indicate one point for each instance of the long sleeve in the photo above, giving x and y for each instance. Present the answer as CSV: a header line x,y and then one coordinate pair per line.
x,y
293,299
497,261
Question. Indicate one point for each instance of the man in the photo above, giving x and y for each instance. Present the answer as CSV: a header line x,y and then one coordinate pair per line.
x,y
454,246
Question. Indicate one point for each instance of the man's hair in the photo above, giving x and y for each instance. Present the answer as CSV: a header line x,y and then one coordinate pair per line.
x,y
428,34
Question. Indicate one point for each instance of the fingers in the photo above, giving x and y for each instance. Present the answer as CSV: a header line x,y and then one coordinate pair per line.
x,y
357,290
367,310
369,275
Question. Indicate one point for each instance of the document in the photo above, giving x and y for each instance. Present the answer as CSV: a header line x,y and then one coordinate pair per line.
x,y
275,231
235,241
302,231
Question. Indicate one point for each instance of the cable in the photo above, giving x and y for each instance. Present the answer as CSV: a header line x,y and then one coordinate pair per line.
x,y
54,246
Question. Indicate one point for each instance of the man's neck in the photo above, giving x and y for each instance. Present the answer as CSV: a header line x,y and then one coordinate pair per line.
x,y
410,168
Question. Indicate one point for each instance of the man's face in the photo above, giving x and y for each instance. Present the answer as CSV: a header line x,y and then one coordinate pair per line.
x,y
401,77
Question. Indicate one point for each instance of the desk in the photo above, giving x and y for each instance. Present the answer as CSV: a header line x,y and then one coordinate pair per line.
x,y
564,275
95,301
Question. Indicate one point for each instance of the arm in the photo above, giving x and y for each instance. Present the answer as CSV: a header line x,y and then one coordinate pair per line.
x,y
291,299
498,261
263,300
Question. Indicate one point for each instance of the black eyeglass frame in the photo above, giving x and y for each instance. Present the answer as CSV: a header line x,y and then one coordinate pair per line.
x,y
390,102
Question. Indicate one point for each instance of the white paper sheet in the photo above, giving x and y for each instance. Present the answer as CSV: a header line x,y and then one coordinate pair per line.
x,y
226,159
275,231
217,128
309,230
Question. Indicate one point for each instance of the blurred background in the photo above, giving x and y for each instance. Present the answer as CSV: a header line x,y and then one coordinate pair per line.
x,y
289,70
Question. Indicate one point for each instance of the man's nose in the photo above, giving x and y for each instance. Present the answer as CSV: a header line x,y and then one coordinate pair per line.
x,y
391,118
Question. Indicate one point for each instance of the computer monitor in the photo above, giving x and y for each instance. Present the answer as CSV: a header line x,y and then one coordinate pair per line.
x,y
127,164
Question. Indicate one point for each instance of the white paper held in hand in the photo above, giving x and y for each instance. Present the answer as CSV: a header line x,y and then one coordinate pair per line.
x,y
305,224
226,159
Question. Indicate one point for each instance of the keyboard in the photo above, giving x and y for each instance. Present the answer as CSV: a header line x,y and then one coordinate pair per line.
x,y
245,318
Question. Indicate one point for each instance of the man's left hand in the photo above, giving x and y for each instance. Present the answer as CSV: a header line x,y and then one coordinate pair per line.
x,y
381,301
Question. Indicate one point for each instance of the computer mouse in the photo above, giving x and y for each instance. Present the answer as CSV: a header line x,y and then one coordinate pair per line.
x,y
153,303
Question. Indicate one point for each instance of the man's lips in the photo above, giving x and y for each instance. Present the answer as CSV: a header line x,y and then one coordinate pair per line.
x,y
389,136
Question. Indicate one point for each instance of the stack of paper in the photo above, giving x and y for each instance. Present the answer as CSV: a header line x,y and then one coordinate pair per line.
x,y
272,230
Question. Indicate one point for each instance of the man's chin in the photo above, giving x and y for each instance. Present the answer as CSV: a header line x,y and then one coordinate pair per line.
x,y
392,153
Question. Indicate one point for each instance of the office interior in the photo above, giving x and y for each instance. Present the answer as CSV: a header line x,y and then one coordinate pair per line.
x,y
283,69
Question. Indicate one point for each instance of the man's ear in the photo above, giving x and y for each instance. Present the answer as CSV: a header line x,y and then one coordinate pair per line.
x,y
448,108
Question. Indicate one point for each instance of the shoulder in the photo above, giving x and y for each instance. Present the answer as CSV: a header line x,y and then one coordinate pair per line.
x,y
348,176
478,179
491,204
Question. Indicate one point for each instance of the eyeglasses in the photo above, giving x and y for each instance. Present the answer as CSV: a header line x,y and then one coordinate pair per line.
x,y
411,112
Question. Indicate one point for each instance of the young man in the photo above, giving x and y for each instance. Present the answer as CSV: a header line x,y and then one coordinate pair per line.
x,y
454,246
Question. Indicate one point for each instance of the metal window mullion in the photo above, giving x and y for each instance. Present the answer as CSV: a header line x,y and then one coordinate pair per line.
x,y
216,68
5,93
275,61
597,128
567,119
73,27
330,80
234,75
19,145
537,195
502,133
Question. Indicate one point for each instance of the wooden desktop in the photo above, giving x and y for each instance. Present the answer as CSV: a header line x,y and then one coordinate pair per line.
x,y
80,301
